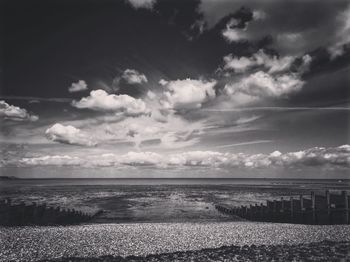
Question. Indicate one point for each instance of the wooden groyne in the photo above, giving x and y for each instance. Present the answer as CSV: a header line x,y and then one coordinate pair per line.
x,y
315,209
39,214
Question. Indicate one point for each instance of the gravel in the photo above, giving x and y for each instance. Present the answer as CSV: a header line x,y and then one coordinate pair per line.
x,y
322,251
142,239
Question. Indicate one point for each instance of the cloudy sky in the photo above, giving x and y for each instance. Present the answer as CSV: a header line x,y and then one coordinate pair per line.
x,y
175,88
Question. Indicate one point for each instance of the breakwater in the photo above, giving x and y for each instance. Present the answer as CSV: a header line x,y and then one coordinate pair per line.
x,y
317,209
21,214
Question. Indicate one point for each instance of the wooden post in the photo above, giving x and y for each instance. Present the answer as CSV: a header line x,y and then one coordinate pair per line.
x,y
282,205
328,203
313,207
22,212
346,206
274,211
291,210
250,212
8,201
262,212
302,208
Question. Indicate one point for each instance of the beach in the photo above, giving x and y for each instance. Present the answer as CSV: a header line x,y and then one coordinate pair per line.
x,y
322,251
168,220
142,239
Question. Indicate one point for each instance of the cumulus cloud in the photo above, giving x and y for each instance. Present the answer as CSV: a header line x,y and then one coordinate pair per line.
x,y
313,157
165,131
272,63
342,34
15,113
232,33
263,76
77,87
132,77
237,28
54,160
261,84
148,4
187,93
100,100
69,135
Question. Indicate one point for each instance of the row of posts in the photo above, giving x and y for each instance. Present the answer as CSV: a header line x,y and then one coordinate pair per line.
x,y
34,214
318,209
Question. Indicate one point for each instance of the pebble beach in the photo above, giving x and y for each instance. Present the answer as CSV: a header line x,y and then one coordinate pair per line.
x,y
148,241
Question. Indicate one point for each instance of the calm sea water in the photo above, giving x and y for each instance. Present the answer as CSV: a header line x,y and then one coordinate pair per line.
x,y
250,182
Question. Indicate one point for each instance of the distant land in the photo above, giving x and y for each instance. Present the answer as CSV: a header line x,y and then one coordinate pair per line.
x,y
8,178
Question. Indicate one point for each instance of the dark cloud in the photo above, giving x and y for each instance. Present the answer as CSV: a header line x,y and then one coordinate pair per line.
x,y
311,24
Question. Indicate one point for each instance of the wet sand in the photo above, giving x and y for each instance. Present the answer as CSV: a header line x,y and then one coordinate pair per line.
x,y
150,203
142,239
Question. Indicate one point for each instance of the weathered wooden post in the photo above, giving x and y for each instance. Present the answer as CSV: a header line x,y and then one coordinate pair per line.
x,y
22,215
257,212
251,212
302,208
5,213
313,207
31,210
281,211
274,210
8,201
346,206
328,203
241,211
269,214
291,210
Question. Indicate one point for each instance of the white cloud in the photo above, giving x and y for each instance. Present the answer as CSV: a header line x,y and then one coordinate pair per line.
x,y
273,64
313,157
77,87
100,100
187,93
238,64
15,113
342,35
148,4
305,65
55,160
132,77
233,34
69,135
259,15
165,131
260,85
245,120
273,78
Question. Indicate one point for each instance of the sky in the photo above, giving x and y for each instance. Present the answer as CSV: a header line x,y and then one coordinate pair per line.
x,y
186,88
